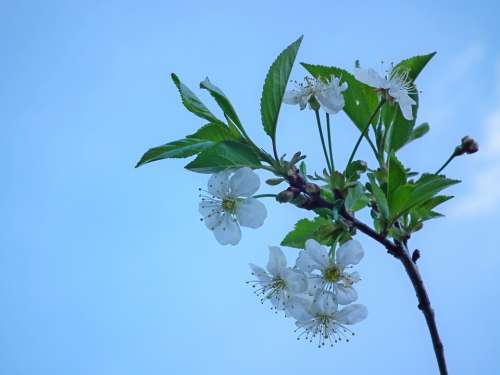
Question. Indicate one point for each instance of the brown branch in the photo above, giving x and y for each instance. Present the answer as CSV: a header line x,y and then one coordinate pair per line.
x,y
398,250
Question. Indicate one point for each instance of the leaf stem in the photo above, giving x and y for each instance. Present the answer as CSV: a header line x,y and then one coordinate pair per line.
x,y
320,130
330,150
446,163
275,150
380,104
264,196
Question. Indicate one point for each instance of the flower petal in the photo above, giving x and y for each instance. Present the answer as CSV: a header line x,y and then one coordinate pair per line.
x,y
299,307
405,103
331,100
211,214
218,184
314,257
277,261
324,303
260,273
370,77
406,110
244,182
296,281
292,97
352,314
251,213
350,252
228,232
345,294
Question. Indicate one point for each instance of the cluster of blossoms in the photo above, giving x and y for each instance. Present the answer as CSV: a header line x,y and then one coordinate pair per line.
x,y
312,290
395,87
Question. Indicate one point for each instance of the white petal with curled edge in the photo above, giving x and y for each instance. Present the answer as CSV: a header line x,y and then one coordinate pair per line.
x,y
244,183
292,97
331,100
260,273
314,257
324,303
406,110
296,281
228,232
371,78
345,294
405,103
315,285
299,307
352,314
218,184
211,214
251,213
277,261
351,252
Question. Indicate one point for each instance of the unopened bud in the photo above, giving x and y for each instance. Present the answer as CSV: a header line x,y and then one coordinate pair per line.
x,y
294,177
288,195
274,181
467,146
312,189
313,102
415,256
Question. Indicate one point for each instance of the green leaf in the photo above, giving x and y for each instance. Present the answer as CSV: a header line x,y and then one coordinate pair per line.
x,y
192,103
275,86
355,169
411,195
222,101
204,138
319,229
360,99
223,155
414,65
213,132
418,132
379,196
398,200
356,198
397,175
424,212
182,148
436,201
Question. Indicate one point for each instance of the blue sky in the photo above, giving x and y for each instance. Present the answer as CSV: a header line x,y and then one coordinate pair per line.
x,y
105,269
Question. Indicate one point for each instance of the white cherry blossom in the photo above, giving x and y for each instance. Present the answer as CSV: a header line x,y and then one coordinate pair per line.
x,y
228,203
324,323
328,274
395,87
329,95
279,284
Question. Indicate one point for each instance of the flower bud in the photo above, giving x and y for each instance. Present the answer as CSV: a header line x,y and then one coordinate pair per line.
x,y
274,181
294,177
312,189
415,256
467,146
288,195
313,102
